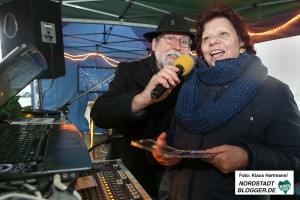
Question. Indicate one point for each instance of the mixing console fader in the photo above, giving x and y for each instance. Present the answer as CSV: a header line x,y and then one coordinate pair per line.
x,y
110,180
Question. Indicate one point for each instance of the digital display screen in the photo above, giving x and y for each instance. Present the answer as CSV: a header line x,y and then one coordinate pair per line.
x,y
94,77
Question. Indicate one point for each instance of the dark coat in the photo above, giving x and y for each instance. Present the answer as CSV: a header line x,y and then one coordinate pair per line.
x,y
113,110
269,126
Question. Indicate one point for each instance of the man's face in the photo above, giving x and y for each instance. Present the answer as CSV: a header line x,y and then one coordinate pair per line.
x,y
166,52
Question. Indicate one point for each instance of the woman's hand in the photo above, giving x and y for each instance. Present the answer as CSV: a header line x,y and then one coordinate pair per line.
x,y
229,158
158,153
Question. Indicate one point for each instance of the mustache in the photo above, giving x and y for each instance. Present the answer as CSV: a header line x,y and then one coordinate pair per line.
x,y
170,61
171,52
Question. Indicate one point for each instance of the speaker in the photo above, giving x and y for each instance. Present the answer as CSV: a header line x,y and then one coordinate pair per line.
x,y
37,22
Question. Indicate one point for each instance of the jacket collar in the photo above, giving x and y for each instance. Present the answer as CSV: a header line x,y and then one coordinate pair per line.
x,y
146,69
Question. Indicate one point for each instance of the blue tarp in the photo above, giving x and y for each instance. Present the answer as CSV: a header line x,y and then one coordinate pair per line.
x,y
65,89
121,44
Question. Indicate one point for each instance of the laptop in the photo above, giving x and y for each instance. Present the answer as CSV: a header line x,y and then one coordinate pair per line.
x,y
49,148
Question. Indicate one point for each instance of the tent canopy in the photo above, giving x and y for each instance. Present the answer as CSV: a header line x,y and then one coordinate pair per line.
x,y
261,16
147,13
116,27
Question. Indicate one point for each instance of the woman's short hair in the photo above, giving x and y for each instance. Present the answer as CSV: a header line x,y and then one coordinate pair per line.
x,y
237,21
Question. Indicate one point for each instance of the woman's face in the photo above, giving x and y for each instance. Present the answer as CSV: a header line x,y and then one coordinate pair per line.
x,y
220,41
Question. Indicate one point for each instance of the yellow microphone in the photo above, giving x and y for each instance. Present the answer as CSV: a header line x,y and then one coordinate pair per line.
x,y
185,63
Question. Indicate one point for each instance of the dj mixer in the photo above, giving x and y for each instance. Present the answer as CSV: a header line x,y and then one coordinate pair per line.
x,y
109,180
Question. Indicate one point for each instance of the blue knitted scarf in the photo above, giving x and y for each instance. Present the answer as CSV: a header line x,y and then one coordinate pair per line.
x,y
247,73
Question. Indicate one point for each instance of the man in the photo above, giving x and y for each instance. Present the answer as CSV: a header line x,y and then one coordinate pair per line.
x,y
130,110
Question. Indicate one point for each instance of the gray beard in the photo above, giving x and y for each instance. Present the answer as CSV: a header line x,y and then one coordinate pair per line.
x,y
163,61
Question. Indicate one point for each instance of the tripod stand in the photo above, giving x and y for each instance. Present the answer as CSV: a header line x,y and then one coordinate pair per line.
x,y
64,108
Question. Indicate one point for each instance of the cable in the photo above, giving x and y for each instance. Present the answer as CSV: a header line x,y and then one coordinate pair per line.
x,y
20,196
52,70
77,195
59,185
70,187
106,141
33,189
101,149
57,182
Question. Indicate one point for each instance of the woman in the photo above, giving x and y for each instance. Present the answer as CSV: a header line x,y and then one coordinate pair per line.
x,y
230,107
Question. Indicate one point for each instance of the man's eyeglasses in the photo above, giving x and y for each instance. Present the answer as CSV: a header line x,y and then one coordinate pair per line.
x,y
184,42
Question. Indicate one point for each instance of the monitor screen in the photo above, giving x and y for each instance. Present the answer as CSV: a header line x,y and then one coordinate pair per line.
x,y
98,77
18,68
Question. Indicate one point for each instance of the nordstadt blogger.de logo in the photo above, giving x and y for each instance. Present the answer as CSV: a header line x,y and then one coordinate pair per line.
x,y
264,182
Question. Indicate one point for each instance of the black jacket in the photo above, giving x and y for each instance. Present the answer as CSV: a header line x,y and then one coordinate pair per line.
x,y
269,126
113,110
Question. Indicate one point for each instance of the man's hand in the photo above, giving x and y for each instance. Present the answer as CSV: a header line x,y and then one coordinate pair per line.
x,y
167,77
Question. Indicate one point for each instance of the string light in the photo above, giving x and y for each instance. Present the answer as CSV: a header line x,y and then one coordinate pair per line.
x,y
82,57
275,30
193,54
